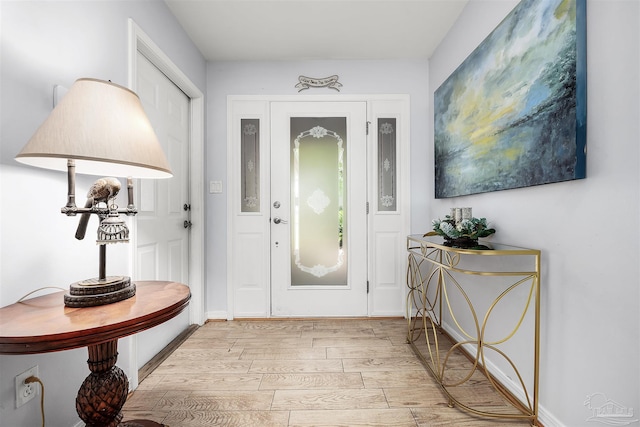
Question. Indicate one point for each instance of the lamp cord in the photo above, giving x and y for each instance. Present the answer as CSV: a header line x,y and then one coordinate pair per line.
x,y
33,379
38,290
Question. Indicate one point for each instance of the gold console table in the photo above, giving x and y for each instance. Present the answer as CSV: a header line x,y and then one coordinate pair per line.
x,y
468,309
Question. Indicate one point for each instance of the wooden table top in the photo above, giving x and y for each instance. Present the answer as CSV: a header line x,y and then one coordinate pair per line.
x,y
44,324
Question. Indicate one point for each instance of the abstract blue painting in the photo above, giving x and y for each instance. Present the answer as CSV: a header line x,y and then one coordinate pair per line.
x,y
513,114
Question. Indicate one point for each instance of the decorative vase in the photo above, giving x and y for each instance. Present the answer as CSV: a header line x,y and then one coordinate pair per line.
x,y
461,242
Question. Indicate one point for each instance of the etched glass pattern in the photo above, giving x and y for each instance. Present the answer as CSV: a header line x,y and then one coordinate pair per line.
x,y
250,171
387,165
318,208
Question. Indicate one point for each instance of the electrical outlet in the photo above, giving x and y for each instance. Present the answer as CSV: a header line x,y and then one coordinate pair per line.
x,y
25,392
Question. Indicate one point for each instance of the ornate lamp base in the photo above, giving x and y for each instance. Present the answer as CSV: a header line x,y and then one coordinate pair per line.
x,y
93,292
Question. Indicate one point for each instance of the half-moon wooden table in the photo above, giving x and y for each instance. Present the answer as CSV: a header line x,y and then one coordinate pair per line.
x,y
44,324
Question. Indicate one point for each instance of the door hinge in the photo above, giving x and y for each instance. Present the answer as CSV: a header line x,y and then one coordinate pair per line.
x,y
368,123
186,207
367,286
367,208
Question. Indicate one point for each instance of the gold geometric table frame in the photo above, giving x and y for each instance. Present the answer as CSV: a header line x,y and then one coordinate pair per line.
x,y
455,321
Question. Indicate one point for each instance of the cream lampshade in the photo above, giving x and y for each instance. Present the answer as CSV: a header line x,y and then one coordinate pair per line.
x,y
99,128
103,127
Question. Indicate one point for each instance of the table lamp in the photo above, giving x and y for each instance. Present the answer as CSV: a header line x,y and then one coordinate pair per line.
x,y
99,128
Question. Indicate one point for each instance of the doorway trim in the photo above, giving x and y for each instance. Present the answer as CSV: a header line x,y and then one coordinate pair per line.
x,y
387,286
139,41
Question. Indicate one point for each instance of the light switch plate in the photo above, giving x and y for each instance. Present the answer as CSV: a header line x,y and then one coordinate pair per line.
x,y
215,187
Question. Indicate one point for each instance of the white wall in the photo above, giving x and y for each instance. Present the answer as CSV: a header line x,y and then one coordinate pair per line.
x,y
280,78
590,278
587,230
46,43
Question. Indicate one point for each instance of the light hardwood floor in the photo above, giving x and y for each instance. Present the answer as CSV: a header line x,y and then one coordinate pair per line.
x,y
333,372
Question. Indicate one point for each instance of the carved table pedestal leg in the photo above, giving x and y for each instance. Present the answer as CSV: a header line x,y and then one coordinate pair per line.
x,y
104,391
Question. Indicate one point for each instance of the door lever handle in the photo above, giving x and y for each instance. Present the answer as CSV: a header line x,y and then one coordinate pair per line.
x,y
277,220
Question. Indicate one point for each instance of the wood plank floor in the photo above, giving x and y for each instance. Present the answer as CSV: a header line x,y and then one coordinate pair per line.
x,y
333,372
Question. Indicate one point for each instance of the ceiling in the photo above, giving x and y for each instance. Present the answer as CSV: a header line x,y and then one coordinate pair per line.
x,y
284,30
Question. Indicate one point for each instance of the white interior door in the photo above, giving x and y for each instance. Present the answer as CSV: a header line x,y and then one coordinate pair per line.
x,y
318,209
162,251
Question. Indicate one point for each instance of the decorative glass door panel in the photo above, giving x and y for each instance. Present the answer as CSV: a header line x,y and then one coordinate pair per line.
x,y
387,164
250,168
318,209
318,201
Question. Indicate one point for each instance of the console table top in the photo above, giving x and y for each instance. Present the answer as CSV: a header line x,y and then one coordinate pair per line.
x,y
44,324
416,241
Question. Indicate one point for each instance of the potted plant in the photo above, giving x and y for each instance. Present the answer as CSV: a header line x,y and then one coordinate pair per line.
x,y
464,233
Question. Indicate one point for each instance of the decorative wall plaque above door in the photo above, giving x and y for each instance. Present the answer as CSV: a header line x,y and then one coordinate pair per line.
x,y
306,82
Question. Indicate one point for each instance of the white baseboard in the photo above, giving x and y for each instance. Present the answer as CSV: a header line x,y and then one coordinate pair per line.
x,y
504,379
544,416
216,315
547,419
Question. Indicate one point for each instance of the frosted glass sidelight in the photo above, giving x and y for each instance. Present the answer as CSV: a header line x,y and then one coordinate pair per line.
x,y
250,158
318,201
387,165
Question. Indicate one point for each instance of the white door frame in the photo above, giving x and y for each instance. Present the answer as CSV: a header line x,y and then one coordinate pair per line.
x,y
385,285
139,41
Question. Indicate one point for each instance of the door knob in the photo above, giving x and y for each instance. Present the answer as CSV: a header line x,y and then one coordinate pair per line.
x,y
277,220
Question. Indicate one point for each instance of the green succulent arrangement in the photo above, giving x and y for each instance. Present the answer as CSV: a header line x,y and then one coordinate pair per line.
x,y
471,228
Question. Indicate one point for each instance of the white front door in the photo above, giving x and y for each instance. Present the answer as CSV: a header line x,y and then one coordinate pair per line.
x,y
163,239
162,251
318,209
